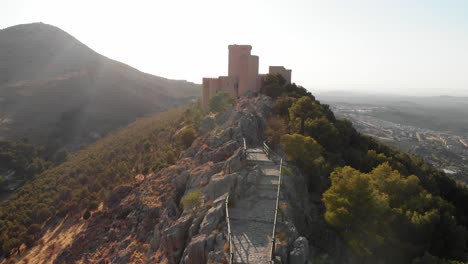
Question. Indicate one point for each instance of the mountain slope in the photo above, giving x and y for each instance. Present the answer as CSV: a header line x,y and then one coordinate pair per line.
x,y
55,90
81,182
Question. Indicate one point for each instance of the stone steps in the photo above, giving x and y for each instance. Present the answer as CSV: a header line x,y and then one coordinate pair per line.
x,y
252,217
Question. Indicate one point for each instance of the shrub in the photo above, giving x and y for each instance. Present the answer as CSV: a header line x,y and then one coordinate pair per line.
x,y
220,102
286,171
302,150
186,136
276,128
192,201
86,215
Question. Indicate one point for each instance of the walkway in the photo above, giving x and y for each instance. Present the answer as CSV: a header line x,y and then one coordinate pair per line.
x,y
252,217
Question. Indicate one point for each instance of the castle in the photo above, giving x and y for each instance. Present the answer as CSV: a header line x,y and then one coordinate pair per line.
x,y
242,75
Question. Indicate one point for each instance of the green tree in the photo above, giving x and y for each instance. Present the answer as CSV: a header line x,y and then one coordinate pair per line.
x,y
382,213
303,109
323,131
302,150
273,86
220,102
356,209
276,128
282,105
430,259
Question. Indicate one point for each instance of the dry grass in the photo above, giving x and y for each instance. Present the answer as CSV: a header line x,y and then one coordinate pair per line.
x,y
53,242
226,247
209,204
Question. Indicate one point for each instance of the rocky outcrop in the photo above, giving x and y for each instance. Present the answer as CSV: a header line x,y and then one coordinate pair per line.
x,y
213,217
144,222
174,237
300,252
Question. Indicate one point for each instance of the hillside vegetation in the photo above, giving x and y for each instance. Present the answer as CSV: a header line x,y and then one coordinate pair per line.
x,y
385,204
78,185
55,91
19,162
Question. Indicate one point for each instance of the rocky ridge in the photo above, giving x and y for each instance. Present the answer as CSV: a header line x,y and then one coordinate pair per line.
x,y
143,222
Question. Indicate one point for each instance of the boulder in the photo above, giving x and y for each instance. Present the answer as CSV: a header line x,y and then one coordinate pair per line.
x,y
235,162
154,242
300,252
218,154
180,180
225,151
195,226
173,238
207,124
218,185
195,252
215,257
212,218
201,175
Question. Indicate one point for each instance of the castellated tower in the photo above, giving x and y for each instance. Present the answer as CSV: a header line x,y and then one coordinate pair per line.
x,y
242,75
243,68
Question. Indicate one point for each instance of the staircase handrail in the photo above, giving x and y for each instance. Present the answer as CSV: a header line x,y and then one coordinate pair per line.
x,y
231,248
276,213
275,157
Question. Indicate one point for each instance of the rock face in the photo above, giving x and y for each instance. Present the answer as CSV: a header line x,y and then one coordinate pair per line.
x,y
144,222
300,252
174,237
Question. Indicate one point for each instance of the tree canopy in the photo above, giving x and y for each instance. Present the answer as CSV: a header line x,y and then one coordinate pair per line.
x,y
383,213
385,204
220,102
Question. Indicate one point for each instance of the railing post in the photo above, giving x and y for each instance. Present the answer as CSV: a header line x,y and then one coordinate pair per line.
x,y
231,249
245,149
276,213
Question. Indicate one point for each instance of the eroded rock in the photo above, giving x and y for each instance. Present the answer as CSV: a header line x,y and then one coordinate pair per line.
x,y
300,252
212,218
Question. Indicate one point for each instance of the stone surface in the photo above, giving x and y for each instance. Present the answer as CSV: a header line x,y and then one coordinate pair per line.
x,y
173,238
252,216
145,220
219,184
235,163
207,124
300,252
212,218
195,252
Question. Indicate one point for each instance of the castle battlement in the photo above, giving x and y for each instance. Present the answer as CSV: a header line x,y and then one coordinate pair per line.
x,y
242,75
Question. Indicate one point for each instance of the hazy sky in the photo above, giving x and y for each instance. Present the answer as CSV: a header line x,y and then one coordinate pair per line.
x,y
392,46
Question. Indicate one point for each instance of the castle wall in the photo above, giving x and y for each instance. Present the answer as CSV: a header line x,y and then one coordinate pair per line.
x,y
236,52
242,75
260,81
229,85
285,73
205,93
214,86
253,74
210,88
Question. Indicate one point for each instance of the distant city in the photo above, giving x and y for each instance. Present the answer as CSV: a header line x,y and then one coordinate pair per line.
x,y
445,150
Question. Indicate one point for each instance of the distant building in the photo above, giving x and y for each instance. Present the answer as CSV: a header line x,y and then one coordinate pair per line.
x,y
242,75
464,143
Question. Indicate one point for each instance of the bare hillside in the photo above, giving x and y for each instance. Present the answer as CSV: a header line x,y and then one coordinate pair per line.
x,y
54,90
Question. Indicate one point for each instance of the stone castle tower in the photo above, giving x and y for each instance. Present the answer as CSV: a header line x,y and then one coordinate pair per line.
x,y
242,75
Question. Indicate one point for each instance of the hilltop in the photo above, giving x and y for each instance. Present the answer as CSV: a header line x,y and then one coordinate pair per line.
x,y
56,91
155,192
